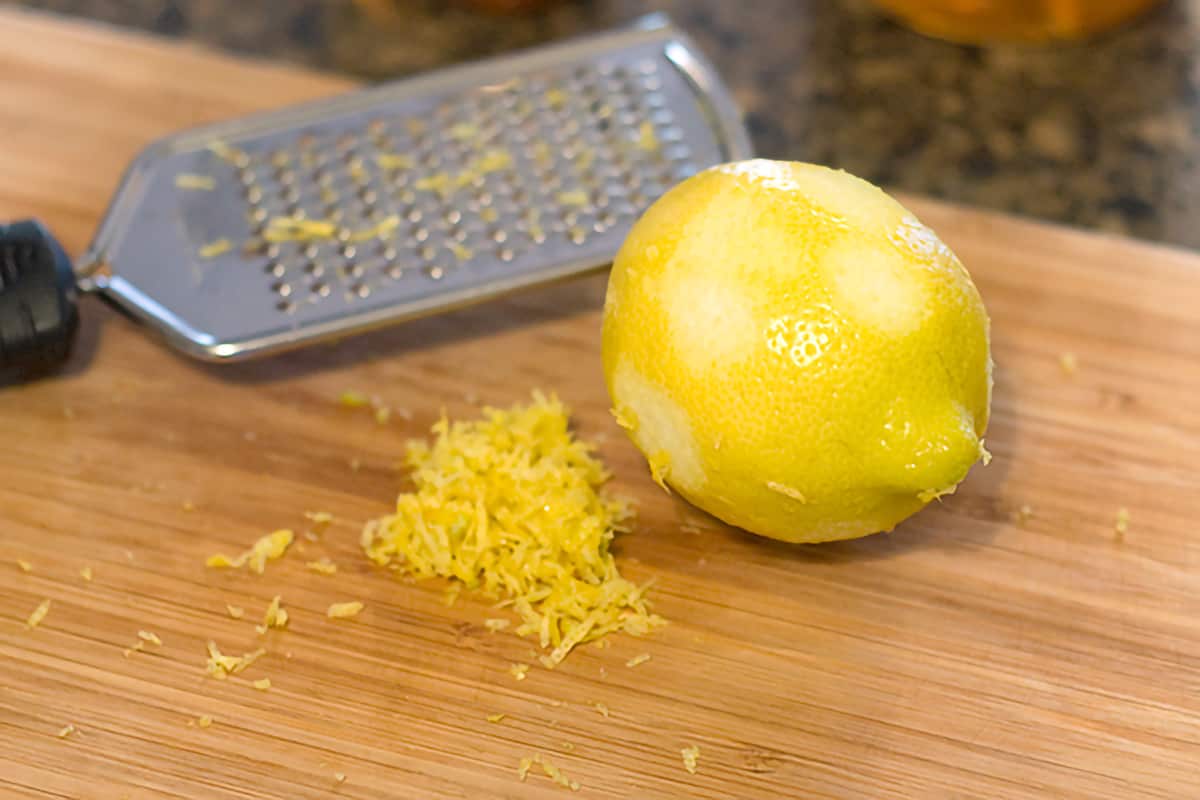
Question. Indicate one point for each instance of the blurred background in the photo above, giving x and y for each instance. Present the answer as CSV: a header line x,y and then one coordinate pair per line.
x,y
1098,130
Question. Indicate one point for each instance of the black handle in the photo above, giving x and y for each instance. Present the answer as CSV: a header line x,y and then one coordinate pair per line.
x,y
37,300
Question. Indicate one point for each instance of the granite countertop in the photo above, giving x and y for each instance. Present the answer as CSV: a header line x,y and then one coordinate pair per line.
x,y
1102,135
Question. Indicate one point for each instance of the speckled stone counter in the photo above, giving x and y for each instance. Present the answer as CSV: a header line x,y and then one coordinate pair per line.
x,y
1104,134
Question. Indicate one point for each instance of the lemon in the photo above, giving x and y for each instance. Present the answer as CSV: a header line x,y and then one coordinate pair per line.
x,y
795,353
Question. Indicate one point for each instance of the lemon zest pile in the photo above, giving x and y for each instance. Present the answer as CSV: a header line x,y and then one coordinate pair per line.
x,y
221,666
268,548
38,615
344,610
511,505
690,756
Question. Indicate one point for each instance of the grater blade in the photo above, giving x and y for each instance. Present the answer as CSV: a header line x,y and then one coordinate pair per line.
x,y
318,221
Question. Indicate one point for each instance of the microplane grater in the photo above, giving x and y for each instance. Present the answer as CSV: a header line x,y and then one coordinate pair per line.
x,y
384,204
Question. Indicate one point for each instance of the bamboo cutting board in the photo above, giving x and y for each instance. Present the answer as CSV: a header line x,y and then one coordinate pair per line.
x,y
969,654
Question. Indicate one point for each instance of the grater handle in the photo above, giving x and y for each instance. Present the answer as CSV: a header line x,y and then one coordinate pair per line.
x,y
38,318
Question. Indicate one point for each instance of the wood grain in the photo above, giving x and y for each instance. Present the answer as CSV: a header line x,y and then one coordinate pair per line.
x,y
964,655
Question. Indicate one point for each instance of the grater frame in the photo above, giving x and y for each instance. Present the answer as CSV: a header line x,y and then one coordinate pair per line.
x,y
101,273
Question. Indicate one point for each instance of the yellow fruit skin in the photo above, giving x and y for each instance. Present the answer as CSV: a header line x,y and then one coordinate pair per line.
x,y
795,353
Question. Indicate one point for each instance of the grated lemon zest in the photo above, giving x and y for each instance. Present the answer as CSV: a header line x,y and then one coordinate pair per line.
x,y
228,152
638,660
489,214
324,566
495,717
494,625
556,98
66,731
461,252
275,616
137,647
344,610
221,666
519,671
268,548
204,721
187,180
394,161
511,505
555,774
603,709
353,399
647,138
214,249
152,638
339,777
1069,363
298,229
236,612
576,197
38,615
382,415
262,684
541,154
1122,525
379,230
319,517
463,131
690,756
523,767
24,565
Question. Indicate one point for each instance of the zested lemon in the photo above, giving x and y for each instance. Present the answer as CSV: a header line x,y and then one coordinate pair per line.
x,y
795,353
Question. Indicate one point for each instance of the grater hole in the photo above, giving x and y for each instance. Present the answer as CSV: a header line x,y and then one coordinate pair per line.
x,y
314,269
361,290
505,254
394,271
286,306
435,272
282,288
275,269
321,289
348,251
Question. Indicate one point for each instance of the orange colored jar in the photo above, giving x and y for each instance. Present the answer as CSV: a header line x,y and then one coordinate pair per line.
x,y
982,21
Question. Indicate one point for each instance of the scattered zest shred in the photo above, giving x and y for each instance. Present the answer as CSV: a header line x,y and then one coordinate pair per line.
x,y
137,647
647,138
353,399
638,660
38,615
319,517
235,612
66,731
690,756
339,777
344,610
1122,525
268,548
86,574
262,684
221,666
519,671
24,565
275,616
494,625
204,721
324,566
495,717
552,772
511,505
603,709
1069,363
150,638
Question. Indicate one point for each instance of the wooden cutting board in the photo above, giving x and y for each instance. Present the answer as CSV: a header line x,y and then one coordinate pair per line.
x,y
968,654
